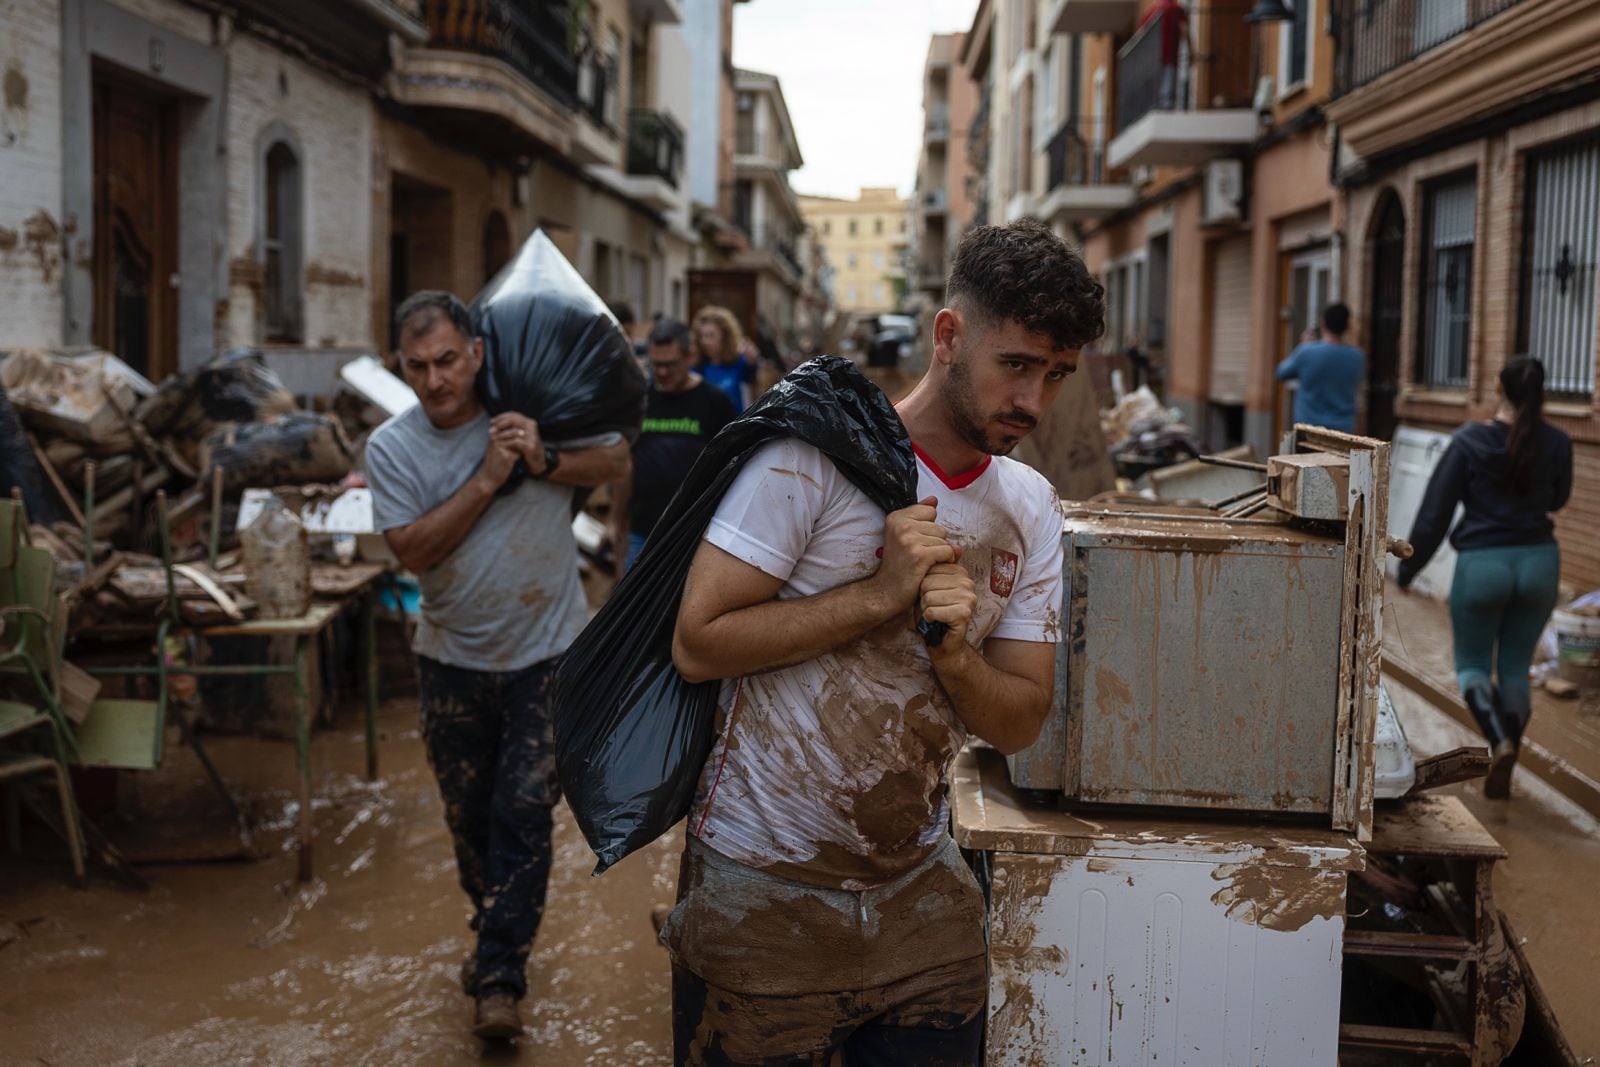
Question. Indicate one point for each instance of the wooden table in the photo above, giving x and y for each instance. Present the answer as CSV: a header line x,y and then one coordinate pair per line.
x,y
337,586
305,629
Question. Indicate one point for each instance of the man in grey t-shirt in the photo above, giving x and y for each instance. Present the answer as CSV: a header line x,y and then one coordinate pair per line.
x,y
501,600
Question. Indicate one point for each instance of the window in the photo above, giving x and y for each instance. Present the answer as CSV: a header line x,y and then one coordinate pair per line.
x,y
877,260
496,244
282,240
850,261
1560,252
852,227
827,228
1295,46
850,295
902,225
1451,210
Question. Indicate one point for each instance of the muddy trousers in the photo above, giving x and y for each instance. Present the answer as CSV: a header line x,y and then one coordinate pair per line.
x,y
1500,600
488,735
770,972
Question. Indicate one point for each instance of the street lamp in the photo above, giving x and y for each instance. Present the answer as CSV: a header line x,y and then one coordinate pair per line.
x,y
1269,11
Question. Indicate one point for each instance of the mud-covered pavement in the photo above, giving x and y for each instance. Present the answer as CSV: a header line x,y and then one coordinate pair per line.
x,y
224,963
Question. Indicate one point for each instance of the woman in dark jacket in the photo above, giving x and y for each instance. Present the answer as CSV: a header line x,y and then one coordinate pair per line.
x,y
1508,475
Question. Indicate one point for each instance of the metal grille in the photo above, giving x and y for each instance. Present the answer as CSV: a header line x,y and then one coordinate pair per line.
x,y
1562,247
1452,211
1376,36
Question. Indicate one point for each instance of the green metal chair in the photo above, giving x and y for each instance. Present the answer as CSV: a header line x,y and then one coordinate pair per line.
x,y
32,630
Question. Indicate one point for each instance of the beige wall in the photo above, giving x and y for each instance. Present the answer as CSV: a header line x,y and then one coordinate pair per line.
x,y
877,255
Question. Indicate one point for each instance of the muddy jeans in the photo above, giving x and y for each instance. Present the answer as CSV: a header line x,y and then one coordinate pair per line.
x,y
771,971
489,743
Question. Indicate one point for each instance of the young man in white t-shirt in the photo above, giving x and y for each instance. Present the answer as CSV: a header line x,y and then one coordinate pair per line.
x,y
822,906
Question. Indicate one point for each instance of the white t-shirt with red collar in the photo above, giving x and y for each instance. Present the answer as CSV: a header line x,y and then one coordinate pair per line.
x,y
832,771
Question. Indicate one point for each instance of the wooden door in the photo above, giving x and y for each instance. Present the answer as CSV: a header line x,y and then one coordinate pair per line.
x,y
136,227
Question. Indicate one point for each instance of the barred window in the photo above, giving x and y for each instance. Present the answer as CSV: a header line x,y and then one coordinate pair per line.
x,y
1560,247
1451,219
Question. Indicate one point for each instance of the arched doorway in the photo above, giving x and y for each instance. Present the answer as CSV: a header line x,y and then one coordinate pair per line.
x,y
496,244
1386,255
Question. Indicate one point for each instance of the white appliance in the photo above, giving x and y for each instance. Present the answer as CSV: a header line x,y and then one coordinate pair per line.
x,y
1412,458
1120,940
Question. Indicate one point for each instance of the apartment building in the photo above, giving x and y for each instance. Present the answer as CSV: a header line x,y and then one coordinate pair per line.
x,y
866,240
1469,163
185,177
941,205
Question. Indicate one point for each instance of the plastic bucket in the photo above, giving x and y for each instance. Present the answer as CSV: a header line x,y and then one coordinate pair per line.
x,y
1578,651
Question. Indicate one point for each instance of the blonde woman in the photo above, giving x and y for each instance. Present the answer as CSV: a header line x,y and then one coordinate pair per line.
x,y
723,355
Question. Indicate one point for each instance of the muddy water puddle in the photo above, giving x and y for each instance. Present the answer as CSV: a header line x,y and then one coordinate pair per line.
x,y
223,963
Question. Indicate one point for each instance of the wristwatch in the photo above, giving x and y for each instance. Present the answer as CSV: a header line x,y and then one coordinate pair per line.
x,y
552,460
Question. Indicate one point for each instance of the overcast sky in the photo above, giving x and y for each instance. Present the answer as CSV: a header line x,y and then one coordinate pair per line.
x,y
852,77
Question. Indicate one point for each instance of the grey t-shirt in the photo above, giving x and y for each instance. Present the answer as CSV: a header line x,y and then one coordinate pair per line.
x,y
509,595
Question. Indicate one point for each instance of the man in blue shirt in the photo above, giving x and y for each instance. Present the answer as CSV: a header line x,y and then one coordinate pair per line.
x,y
1329,372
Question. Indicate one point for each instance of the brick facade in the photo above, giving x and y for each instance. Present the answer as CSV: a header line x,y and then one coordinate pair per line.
x,y
1500,163
30,155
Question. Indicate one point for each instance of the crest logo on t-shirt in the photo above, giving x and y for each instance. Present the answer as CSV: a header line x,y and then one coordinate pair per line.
x,y
1002,571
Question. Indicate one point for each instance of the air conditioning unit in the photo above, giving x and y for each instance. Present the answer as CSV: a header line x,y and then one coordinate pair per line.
x,y
1224,199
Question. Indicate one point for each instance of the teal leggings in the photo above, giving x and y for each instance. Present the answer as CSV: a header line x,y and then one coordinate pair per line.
x,y
1501,599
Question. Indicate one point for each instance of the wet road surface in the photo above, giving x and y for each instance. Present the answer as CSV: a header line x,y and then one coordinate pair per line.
x,y
239,963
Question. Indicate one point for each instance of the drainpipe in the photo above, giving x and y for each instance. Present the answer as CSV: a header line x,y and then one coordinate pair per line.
x,y
1336,252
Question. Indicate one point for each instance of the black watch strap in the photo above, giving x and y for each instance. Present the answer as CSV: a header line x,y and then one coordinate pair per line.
x,y
552,460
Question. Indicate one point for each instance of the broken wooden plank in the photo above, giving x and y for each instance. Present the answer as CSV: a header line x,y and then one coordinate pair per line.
x,y
55,480
212,589
1457,765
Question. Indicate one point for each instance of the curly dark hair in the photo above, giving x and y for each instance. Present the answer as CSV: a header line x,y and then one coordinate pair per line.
x,y
1023,271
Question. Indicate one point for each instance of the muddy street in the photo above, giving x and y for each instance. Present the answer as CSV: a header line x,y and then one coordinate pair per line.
x,y
229,962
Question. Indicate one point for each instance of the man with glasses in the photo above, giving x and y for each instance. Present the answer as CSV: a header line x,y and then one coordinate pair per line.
x,y
684,412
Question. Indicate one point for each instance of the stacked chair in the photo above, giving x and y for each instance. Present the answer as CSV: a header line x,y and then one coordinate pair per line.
x,y
38,738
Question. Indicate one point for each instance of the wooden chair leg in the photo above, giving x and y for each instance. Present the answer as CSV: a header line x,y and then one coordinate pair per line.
x,y
69,809
69,818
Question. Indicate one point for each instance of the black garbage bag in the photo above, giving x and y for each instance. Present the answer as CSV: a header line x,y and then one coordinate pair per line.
x,y
553,351
295,449
631,734
236,387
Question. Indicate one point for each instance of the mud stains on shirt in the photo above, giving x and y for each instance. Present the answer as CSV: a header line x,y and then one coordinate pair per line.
x,y
832,772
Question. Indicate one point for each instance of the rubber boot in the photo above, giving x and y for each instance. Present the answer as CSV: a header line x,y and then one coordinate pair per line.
x,y
1484,703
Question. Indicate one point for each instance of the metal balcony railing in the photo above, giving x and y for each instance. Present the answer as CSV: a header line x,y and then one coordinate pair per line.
x,y
597,79
935,200
1377,36
1067,159
768,238
531,38
1216,74
655,145
747,142
937,124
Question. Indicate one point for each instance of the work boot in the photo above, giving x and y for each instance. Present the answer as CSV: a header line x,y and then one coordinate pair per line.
x,y
1485,707
497,1016
1484,703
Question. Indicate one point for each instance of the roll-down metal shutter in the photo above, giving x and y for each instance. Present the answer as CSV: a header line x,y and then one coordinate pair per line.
x,y
1230,321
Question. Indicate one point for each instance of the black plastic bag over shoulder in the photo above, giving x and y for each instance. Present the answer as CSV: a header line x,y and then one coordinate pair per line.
x,y
631,734
553,351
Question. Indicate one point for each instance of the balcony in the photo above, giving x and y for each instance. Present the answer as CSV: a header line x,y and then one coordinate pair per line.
x,y
654,161
935,201
1409,68
1092,16
1077,191
595,141
936,128
771,248
665,11
494,72
1186,112
931,274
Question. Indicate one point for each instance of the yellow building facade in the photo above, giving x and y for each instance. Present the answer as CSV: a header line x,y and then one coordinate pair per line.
x,y
865,239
